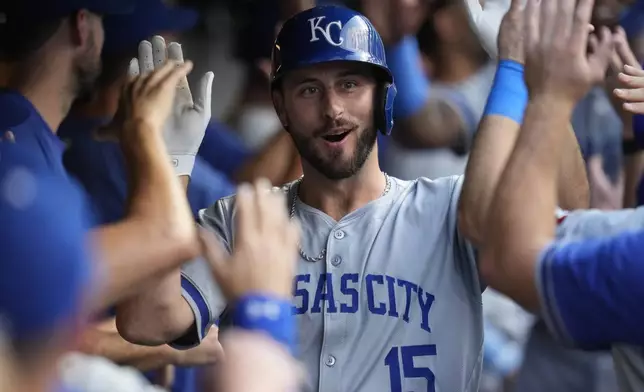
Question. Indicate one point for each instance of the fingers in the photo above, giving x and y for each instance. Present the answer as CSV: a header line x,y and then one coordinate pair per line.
x,y
160,74
533,14
601,57
176,73
204,95
146,63
635,108
133,70
623,49
246,212
633,71
582,14
175,53
266,218
566,10
630,94
552,22
159,55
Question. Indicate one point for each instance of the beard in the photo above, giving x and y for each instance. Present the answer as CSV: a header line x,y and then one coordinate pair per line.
x,y
86,71
333,166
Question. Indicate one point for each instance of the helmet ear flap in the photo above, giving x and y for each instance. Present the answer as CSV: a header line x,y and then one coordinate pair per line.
x,y
384,107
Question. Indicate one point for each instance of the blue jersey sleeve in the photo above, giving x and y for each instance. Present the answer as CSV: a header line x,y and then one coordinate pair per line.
x,y
590,291
223,150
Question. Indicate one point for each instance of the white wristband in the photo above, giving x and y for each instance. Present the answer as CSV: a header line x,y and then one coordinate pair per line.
x,y
182,164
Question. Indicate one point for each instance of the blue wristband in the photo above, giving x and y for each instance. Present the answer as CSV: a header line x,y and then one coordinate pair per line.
x,y
509,94
403,60
638,129
258,312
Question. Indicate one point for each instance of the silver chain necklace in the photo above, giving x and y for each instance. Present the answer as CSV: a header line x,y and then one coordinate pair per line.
x,y
296,188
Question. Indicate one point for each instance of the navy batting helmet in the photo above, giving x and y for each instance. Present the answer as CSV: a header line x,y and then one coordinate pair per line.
x,y
332,33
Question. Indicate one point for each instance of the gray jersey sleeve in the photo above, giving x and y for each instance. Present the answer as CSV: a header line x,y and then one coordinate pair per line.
x,y
198,286
582,224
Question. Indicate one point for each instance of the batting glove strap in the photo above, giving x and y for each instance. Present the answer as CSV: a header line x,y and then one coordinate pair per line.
x,y
267,314
182,164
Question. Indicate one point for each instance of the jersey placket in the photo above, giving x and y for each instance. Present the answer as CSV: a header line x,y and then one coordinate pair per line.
x,y
332,355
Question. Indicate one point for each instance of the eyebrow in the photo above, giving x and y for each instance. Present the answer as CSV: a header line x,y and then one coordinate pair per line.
x,y
342,74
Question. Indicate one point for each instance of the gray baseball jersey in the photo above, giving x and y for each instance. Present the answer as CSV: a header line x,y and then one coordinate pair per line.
x,y
586,224
394,306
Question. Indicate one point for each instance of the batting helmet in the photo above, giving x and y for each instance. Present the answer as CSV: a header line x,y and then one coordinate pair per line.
x,y
331,33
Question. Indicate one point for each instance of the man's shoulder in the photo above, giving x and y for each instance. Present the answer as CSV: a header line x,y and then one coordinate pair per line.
x,y
441,187
221,213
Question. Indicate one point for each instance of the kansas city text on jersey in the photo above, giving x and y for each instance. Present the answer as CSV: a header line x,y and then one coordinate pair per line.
x,y
386,295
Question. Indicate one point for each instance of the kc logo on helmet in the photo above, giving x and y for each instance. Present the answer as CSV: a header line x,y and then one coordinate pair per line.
x,y
325,31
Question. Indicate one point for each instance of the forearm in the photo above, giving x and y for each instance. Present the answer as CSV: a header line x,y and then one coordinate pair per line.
x,y
158,233
104,340
157,314
516,234
573,190
493,145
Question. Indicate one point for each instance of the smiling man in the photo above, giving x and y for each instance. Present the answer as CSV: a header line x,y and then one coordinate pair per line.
x,y
373,315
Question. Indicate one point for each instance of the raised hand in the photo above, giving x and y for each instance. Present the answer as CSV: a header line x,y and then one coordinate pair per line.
x,y
185,129
557,62
149,94
265,254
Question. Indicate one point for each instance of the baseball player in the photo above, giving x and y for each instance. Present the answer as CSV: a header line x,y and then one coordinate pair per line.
x,y
38,98
45,272
586,290
387,293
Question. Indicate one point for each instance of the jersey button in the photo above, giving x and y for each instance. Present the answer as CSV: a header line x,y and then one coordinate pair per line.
x,y
336,260
339,235
330,361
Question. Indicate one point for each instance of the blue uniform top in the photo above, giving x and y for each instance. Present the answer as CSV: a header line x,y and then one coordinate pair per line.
x,y
43,246
591,290
223,150
100,167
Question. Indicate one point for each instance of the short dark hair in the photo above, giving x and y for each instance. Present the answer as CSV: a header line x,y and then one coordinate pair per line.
x,y
18,41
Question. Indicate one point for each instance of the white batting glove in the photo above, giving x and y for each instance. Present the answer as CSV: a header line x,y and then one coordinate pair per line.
x,y
186,126
486,21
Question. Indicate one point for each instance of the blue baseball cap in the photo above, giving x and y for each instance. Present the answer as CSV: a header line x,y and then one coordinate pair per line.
x,y
150,17
44,267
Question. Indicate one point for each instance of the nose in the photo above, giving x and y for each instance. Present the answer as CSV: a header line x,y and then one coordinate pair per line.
x,y
333,105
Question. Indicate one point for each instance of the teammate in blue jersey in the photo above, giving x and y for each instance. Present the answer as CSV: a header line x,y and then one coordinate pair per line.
x,y
45,269
55,57
586,287
95,158
223,150
93,152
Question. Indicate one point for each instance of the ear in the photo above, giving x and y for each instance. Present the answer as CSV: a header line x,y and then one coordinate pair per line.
x,y
278,103
81,27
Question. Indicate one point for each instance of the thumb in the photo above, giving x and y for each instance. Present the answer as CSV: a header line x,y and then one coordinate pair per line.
x,y
204,95
214,254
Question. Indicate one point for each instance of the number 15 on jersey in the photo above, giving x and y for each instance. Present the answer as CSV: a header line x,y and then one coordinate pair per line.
x,y
406,355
